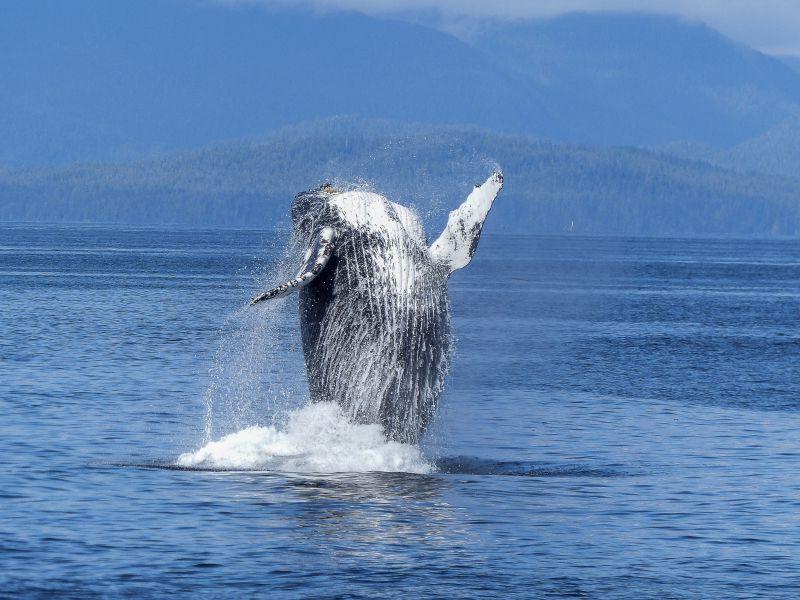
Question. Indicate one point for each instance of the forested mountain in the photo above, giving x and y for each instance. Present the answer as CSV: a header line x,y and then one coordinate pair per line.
x,y
123,79
776,151
550,187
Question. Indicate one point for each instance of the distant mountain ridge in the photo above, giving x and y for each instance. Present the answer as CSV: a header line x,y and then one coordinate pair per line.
x,y
123,80
640,79
550,187
89,80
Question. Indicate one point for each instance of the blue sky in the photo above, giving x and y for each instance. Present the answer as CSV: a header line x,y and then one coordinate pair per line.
x,y
769,25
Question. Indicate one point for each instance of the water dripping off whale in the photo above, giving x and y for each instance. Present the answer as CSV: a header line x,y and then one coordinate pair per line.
x,y
374,312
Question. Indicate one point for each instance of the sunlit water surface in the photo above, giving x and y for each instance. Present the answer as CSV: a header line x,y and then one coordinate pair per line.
x,y
621,421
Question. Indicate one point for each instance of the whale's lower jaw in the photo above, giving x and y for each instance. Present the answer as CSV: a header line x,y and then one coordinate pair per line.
x,y
388,370
379,344
401,398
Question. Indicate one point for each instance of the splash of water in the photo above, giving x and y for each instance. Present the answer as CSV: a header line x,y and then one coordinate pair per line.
x,y
257,372
315,439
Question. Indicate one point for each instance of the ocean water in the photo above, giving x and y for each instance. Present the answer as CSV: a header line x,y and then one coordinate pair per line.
x,y
621,421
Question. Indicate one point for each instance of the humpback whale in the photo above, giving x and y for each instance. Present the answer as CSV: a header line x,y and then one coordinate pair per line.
x,y
374,314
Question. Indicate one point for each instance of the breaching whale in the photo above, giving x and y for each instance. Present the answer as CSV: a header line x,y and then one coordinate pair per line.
x,y
374,313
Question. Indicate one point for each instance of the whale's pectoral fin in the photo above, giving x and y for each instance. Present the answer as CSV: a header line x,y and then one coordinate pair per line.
x,y
456,245
315,262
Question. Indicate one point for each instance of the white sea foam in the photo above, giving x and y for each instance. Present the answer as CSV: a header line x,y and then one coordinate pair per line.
x,y
316,439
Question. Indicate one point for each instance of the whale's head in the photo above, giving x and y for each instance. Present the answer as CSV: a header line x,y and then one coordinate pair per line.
x,y
325,219
311,211
349,211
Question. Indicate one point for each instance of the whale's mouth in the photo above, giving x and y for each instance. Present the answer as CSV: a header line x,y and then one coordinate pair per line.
x,y
316,439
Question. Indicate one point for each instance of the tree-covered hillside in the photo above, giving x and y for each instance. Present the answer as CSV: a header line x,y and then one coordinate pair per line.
x,y
774,152
550,187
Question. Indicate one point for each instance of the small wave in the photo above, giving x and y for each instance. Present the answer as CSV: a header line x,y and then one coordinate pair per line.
x,y
316,439
468,465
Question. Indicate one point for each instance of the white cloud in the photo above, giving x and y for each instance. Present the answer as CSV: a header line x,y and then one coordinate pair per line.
x,y
769,25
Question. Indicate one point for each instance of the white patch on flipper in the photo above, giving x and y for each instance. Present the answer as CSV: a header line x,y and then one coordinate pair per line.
x,y
456,245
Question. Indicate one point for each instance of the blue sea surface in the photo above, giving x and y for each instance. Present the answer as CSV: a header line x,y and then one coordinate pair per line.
x,y
621,420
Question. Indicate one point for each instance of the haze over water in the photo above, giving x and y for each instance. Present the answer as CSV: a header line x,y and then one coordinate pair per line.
x,y
620,421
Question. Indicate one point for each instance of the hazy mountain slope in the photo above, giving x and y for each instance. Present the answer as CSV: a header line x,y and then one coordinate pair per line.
x,y
791,61
646,79
123,79
549,186
88,79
